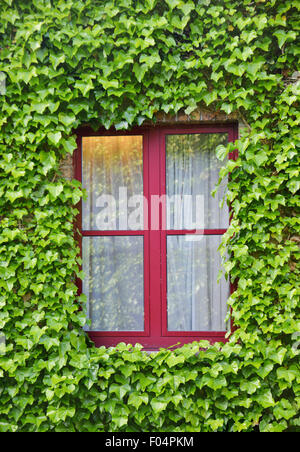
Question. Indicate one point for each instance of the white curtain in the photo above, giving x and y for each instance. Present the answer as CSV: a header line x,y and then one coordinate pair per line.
x,y
114,282
196,302
109,164
192,170
113,265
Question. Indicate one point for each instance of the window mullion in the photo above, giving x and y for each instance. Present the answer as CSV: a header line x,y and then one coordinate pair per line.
x,y
155,249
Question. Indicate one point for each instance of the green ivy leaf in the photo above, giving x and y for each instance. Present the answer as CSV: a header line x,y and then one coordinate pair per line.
x,y
55,189
283,36
265,398
54,137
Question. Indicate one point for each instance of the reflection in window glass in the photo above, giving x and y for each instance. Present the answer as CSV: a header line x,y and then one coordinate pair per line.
x,y
112,174
195,301
114,282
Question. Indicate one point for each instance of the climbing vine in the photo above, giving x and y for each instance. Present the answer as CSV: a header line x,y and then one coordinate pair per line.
x,y
65,63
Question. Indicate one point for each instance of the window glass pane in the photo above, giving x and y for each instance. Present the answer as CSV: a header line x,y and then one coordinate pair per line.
x,y
192,171
112,174
114,282
196,302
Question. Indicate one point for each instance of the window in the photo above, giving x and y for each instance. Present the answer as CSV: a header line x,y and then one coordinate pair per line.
x,y
150,234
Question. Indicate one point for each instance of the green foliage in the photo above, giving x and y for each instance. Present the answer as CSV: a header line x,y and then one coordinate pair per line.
x,y
117,63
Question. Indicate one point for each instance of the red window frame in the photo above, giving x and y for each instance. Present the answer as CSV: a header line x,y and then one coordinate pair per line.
x,y
155,334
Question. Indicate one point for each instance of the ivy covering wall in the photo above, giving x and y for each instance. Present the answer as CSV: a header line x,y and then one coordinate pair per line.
x,y
118,63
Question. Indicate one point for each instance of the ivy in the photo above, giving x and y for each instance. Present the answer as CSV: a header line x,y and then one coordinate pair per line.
x,y
119,63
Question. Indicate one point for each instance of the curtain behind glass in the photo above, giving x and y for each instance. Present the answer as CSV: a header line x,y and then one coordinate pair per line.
x,y
192,168
114,282
111,163
196,302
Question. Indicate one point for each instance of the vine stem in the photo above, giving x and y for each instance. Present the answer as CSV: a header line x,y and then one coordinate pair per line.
x,y
241,116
